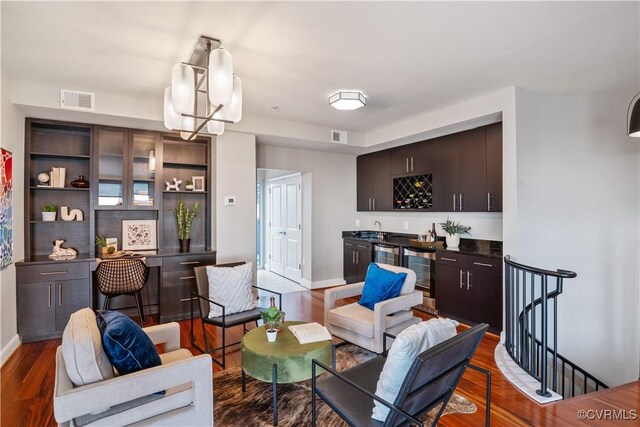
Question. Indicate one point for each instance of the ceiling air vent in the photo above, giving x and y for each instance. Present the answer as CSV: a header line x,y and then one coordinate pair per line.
x,y
339,136
74,100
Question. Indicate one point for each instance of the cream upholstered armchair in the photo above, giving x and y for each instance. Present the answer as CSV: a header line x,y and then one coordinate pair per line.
x,y
178,392
364,327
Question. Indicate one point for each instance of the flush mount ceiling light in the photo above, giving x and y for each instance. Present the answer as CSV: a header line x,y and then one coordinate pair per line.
x,y
204,93
634,119
347,100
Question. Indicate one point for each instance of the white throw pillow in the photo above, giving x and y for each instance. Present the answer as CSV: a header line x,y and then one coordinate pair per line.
x,y
231,287
85,360
406,347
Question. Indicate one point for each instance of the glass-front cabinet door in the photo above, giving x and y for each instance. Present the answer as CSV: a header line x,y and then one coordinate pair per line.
x,y
141,190
112,144
126,165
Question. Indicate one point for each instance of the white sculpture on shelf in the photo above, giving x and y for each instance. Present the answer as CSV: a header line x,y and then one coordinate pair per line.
x,y
175,186
74,215
60,253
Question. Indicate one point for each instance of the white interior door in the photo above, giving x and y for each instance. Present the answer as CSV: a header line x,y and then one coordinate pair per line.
x,y
286,227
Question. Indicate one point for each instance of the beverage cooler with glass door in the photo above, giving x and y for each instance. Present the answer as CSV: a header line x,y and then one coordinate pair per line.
x,y
422,262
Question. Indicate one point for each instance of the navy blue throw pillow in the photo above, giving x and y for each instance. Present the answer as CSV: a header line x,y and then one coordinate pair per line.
x,y
380,285
128,348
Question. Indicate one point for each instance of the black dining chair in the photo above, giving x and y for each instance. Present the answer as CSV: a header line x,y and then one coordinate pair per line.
x,y
122,277
203,300
430,381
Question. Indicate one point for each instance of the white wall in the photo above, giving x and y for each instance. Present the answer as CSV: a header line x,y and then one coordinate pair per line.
x,y
12,139
331,178
578,209
235,160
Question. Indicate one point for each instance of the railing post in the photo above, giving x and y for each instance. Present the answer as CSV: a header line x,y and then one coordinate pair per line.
x,y
543,368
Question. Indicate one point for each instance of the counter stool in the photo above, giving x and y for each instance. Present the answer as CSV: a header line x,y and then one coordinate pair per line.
x,y
122,277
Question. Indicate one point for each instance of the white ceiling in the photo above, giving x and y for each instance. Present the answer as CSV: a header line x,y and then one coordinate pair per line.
x,y
408,58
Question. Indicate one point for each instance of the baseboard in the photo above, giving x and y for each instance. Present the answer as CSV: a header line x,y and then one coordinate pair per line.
x,y
306,283
8,349
328,283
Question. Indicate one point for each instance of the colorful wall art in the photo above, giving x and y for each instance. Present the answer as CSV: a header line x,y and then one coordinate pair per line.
x,y
6,211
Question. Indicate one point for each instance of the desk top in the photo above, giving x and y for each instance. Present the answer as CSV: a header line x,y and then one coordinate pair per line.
x,y
44,259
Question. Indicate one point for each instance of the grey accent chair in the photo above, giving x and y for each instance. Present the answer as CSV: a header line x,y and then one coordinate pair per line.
x,y
363,327
226,320
178,392
430,381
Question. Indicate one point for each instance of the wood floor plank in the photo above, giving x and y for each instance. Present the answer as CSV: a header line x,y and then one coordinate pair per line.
x,y
27,378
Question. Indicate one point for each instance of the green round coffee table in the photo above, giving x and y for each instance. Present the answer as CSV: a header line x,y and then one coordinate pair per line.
x,y
283,361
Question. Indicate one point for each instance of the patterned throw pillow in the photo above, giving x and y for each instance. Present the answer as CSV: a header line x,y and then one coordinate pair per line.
x,y
231,287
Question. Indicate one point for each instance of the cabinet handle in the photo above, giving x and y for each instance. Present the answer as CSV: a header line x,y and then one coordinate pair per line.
x,y
353,257
411,163
374,203
369,203
407,159
461,203
187,277
483,264
357,257
49,273
187,299
454,202
449,259
488,202
461,276
59,294
49,294
189,262
468,279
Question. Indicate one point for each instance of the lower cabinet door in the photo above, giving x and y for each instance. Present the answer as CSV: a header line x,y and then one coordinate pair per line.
x,y
71,296
452,295
176,295
36,310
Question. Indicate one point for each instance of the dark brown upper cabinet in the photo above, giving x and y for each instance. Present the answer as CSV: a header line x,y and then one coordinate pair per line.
x,y
374,182
465,171
493,140
413,159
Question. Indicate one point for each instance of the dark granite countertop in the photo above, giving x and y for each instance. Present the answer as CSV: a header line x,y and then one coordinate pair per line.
x,y
486,248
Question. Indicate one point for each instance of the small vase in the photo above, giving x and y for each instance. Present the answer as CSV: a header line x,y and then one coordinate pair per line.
x,y
184,244
188,187
271,335
80,182
453,240
49,216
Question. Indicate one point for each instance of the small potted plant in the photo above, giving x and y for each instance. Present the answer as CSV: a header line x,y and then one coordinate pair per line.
x,y
49,212
189,186
102,242
454,230
272,318
185,217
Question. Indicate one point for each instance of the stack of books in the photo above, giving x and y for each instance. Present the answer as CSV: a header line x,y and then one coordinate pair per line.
x,y
57,176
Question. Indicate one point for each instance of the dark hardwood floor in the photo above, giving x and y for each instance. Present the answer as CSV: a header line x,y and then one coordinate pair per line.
x,y
26,382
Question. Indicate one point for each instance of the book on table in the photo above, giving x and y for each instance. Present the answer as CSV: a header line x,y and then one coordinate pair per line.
x,y
310,332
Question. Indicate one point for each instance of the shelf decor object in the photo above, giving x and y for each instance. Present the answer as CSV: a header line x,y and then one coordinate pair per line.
x,y
208,75
634,120
6,211
347,100
175,186
49,212
73,215
139,234
59,253
80,182
453,231
184,218
198,183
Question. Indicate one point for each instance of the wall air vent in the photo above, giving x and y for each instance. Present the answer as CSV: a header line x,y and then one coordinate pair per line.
x,y
339,136
74,100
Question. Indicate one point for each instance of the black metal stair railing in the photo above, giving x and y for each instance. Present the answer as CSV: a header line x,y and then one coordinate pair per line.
x,y
531,329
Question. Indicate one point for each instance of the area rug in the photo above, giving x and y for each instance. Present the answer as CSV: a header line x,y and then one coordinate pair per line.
x,y
253,408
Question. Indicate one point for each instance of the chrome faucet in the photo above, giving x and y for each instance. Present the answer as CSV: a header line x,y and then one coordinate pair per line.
x,y
380,233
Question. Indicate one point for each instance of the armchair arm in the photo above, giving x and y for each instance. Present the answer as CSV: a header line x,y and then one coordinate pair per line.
x,y
339,292
393,305
195,295
73,402
358,389
167,334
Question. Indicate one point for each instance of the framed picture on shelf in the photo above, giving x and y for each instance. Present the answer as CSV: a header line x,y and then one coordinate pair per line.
x,y
198,183
139,234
